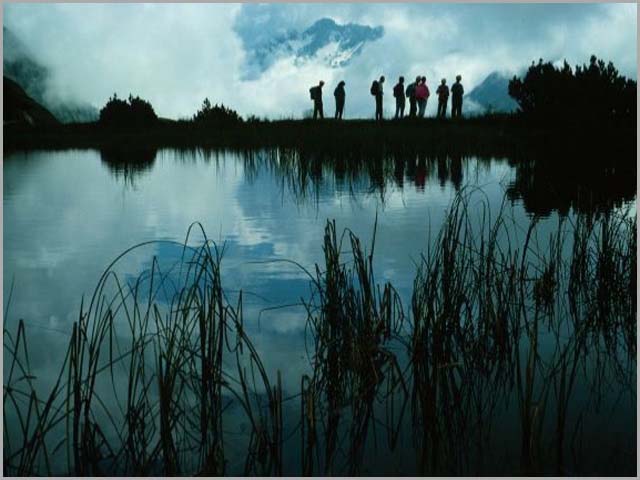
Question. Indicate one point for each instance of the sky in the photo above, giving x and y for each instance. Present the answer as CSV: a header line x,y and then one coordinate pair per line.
x,y
175,55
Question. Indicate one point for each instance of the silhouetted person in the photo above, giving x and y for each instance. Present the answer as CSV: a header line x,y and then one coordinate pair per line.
x,y
422,94
443,98
457,91
377,91
398,92
316,96
340,95
411,93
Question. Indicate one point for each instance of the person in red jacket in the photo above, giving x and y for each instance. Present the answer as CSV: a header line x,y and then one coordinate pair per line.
x,y
422,95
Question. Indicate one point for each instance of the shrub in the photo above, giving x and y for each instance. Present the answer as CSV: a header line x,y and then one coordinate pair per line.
x,y
135,112
594,92
216,115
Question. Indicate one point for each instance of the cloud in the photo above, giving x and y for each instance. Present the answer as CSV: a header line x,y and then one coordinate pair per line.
x,y
171,56
176,54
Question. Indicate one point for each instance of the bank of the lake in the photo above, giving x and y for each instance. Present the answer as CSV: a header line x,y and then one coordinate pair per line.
x,y
496,135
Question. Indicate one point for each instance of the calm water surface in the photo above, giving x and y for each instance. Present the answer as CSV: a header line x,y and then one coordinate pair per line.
x,y
68,214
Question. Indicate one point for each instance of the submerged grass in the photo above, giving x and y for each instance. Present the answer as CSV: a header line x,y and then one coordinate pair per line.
x,y
159,370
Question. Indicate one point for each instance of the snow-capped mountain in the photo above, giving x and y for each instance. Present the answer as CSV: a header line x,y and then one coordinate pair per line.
x,y
325,41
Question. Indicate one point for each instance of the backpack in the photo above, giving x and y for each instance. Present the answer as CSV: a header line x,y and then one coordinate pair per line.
x,y
397,90
374,88
312,93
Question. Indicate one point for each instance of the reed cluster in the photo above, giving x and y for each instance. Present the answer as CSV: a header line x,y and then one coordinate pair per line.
x,y
160,371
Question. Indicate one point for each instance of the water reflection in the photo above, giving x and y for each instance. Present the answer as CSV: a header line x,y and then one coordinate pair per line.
x,y
495,340
544,184
128,163
590,185
461,376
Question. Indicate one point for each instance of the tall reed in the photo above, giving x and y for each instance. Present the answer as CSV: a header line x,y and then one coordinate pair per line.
x,y
160,370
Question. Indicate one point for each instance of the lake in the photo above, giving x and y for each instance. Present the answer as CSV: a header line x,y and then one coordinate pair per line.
x,y
558,399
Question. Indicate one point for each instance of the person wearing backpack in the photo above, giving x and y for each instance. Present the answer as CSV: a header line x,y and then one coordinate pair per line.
x,y
377,91
316,96
422,95
398,92
443,98
457,91
340,95
411,93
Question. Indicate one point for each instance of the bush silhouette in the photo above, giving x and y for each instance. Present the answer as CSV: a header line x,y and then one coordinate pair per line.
x,y
596,92
135,112
216,115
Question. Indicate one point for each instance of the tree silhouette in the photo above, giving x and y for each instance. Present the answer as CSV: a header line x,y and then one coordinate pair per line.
x,y
216,115
135,112
593,93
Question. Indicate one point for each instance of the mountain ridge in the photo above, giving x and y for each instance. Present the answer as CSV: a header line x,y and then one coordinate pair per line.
x,y
492,94
325,40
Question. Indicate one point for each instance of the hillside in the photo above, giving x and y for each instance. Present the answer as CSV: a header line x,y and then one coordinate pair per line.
x,y
20,65
21,109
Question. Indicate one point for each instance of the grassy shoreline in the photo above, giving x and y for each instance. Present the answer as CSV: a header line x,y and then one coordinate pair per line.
x,y
489,135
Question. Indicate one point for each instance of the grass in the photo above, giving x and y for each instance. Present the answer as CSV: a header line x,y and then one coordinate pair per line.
x,y
151,400
160,369
351,321
497,135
